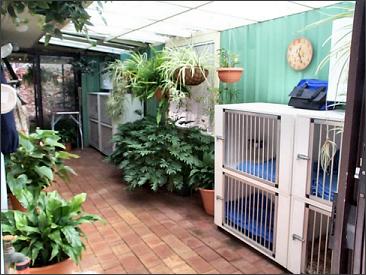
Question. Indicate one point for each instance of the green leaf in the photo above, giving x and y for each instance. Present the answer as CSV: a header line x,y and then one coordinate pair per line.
x,y
44,171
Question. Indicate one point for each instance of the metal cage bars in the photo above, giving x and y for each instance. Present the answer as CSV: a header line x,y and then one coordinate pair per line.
x,y
252,145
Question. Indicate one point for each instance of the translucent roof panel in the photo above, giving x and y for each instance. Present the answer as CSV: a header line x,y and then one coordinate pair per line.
x,y
83,45
254,10
158,21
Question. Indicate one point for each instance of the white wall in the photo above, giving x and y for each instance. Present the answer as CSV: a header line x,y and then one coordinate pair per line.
x,y
196,108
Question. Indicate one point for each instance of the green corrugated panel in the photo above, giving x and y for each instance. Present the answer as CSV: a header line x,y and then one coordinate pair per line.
x,y
89,83
262,50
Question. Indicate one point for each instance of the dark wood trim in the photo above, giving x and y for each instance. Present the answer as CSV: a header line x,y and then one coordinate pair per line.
x,y
38,91
351,135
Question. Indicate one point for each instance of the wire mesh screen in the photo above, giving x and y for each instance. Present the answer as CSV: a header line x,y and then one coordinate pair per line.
x,y
251,212
252,144
318,256
326,147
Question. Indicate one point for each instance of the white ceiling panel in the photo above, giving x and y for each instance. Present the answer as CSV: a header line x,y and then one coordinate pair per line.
x,y
143,36
255,10
316,4
152,10
201,19
169,29
187,4
157,21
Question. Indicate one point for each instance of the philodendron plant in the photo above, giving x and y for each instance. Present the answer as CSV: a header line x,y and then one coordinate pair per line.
x,y
49,232
32,167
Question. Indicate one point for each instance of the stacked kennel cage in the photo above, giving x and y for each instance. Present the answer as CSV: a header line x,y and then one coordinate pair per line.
x,y
253,169
316,163
269,190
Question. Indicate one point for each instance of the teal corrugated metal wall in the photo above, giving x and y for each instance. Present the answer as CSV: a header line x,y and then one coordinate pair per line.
x,y
262,50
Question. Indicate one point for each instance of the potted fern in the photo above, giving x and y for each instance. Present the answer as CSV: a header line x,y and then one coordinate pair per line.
x,y
202,178
228,72
49,232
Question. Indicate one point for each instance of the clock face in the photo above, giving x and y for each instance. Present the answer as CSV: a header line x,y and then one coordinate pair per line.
x,y
299,53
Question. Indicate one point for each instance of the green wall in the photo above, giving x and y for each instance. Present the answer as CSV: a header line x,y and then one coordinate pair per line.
x,y
262,50
90,82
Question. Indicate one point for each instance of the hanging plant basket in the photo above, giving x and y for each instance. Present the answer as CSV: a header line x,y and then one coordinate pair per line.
x,y
190,79
230,75
159,95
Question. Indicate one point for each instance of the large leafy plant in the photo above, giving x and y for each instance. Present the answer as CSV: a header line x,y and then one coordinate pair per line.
x,y
32,167
161,156
202,176
54,13
49,232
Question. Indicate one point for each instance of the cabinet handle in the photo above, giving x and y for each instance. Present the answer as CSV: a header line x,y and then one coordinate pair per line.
x,y
298,238
302,156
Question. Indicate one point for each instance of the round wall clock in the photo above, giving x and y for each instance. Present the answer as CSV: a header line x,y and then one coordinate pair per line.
x,y
299,53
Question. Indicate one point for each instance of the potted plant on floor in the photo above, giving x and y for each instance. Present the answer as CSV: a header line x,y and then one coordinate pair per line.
x,y
202,178
49,232
67,137
33,165
228,72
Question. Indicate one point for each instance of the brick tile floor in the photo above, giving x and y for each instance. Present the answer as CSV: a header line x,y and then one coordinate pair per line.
x,y
147,232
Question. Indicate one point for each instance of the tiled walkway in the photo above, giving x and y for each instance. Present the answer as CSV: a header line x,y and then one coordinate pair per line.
x,y
147,232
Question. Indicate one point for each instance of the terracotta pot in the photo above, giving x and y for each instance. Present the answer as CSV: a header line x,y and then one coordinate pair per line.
x,y
197,78
68,147
207,196
65,267
230,75
16,205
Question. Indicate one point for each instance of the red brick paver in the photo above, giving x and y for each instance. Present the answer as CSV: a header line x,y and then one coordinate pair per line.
x,y
147,232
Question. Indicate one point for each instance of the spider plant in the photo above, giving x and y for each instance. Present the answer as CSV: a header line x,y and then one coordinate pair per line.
x,y
178,61
329,148
115,102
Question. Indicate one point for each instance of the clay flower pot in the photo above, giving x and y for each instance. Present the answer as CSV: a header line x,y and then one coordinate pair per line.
x,y
230,75
65,267
68,147
207,196
16,205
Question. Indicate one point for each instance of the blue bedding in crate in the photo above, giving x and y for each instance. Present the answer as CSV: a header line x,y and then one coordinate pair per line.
x,y
248,223
265,170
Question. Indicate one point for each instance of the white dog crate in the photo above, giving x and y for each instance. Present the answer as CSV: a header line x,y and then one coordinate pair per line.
x,y
315,183
253,169
273,187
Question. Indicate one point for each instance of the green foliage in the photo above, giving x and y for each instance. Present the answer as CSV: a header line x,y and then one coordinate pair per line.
x,y
55,14
85,65
227,60
164,71
161,156
33,165
177,59
49,232
203,174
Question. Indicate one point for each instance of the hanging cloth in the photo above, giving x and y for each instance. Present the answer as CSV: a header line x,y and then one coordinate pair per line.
x,y
9,134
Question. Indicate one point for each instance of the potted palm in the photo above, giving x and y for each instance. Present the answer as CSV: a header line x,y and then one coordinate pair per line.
x,y
32,167
49,232
202,178
228,72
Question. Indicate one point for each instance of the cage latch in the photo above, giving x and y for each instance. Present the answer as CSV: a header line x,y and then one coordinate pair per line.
x,y
218,197
297,237
302,156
